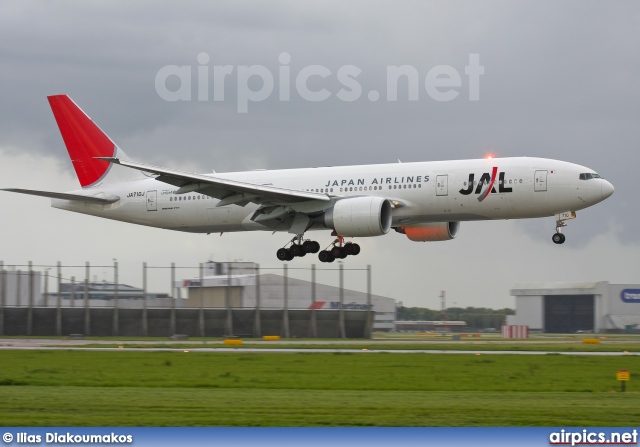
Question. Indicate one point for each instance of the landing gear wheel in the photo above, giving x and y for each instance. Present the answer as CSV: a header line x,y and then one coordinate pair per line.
x,y
283,254
326,256
310,247
297,250
351,248
339,252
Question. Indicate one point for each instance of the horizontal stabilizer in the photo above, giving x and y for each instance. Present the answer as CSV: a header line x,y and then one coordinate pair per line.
x,y
66,196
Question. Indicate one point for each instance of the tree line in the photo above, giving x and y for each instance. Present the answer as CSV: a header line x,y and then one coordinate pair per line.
x,y
475,317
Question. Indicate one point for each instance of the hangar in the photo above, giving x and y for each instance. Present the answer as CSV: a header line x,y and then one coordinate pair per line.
x,y
577,307
245,286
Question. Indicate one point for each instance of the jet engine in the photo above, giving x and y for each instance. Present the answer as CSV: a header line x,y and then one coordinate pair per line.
x,y
359,217
433,231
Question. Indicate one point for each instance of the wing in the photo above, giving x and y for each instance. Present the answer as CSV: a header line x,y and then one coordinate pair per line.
x,y
278,206
66,196
227,191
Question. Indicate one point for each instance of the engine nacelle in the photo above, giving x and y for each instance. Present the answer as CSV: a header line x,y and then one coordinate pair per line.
x,y
429,232
359,217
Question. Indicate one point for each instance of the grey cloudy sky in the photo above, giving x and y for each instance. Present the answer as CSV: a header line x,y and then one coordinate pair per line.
x,y
560,81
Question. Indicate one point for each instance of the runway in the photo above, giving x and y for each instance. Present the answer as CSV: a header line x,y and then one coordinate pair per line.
x,y
79,345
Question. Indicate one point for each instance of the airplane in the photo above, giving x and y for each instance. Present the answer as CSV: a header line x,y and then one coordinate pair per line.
x,y
426,201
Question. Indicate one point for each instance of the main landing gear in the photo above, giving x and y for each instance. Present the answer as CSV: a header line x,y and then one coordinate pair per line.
x,y
298,249
558,237
340,250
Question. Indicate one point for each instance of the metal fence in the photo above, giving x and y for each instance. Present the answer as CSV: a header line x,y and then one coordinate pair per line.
x,y
63,299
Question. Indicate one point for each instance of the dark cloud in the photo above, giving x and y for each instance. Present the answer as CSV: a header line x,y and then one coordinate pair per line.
x,y
560,82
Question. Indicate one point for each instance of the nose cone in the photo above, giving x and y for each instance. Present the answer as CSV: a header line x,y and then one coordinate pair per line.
x,y
607,189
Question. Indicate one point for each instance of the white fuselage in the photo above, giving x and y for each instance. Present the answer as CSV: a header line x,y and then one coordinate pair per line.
x,y
436,191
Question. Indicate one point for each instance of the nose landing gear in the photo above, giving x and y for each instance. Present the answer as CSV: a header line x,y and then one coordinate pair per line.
x,y
558,237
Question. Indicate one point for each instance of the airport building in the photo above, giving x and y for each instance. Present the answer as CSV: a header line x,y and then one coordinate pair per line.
x,y
103,293
245,288
577,307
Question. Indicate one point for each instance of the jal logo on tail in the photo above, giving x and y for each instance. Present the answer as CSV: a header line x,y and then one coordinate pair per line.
x,y
485,185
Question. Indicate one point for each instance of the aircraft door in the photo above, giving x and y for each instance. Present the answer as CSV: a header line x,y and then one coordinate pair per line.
x,y
540,181
442,185
152,200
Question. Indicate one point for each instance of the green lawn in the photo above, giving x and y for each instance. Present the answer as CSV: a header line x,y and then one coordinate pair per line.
x,y
75,388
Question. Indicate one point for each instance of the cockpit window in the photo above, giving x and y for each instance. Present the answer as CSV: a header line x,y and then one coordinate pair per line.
x,y
589,175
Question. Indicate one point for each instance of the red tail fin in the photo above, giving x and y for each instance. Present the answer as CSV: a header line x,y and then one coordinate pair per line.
x,y
84,140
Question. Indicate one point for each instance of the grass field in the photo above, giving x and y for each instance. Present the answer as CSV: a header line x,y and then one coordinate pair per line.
x,y
78,388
